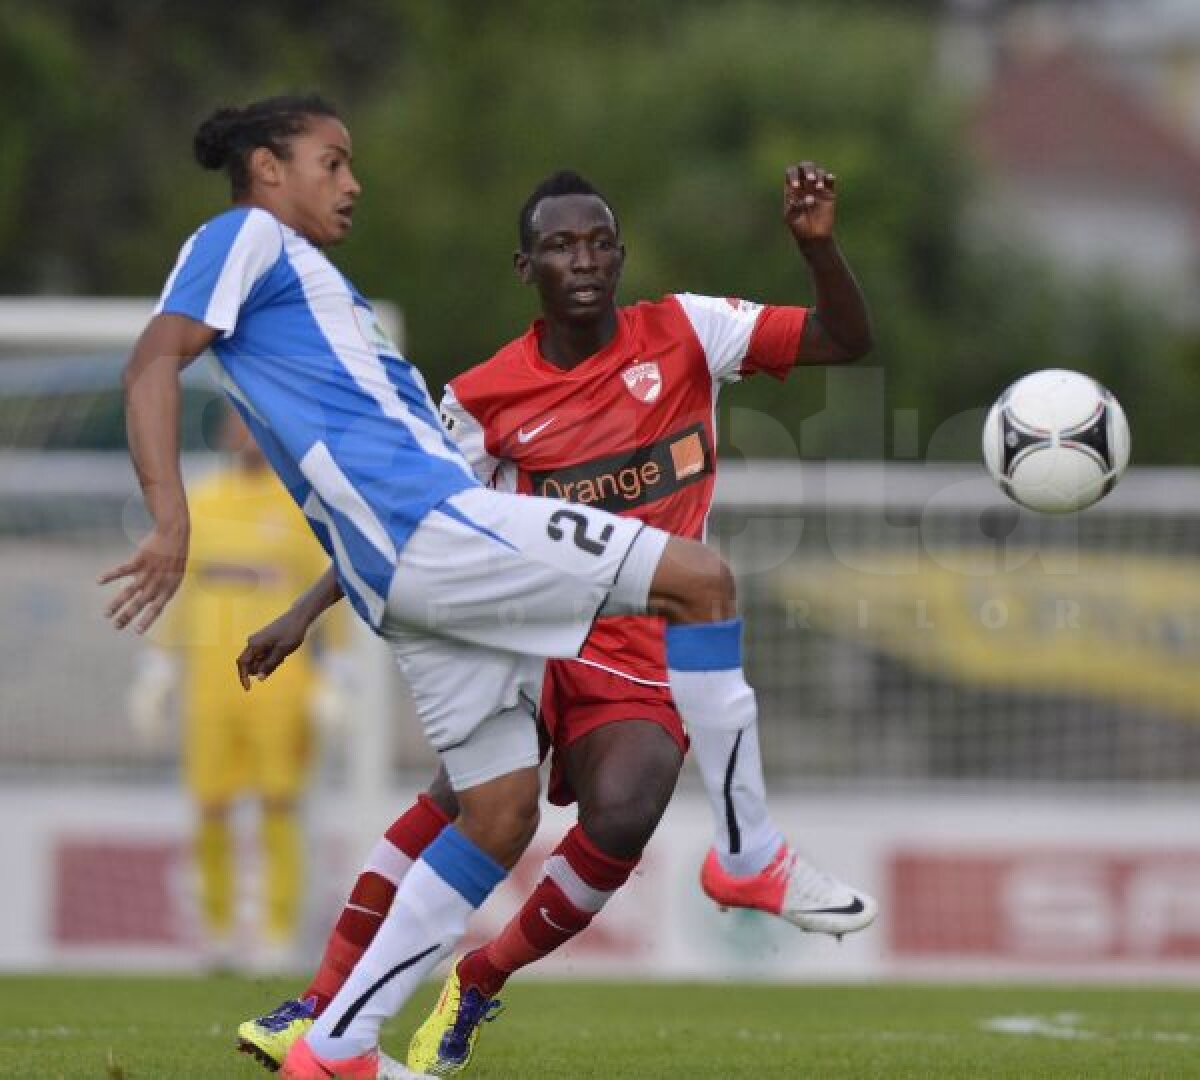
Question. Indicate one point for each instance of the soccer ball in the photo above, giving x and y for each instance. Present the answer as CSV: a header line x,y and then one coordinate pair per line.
x,y
1056,441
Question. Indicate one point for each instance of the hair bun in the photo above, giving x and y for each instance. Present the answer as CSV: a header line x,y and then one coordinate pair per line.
x,y
213,142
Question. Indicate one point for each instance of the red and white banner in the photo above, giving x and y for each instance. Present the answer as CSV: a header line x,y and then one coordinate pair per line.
x,y
1066,906
968,887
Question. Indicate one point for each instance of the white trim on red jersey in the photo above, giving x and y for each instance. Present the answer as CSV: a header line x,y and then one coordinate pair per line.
x,y
724,328
468,433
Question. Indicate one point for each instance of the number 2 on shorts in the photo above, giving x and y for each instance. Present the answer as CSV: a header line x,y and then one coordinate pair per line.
x,y
593,546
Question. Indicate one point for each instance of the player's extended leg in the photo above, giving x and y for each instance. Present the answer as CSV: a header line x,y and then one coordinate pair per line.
x,y
268,1038
428,915
475,704
371,897
623,774
752,865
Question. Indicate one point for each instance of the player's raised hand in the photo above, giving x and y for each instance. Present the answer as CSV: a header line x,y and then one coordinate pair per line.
x,y
153,575
809,200
269,647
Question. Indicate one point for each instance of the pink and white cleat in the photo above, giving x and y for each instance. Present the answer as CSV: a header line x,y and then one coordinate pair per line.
x,y
302,1063
792,888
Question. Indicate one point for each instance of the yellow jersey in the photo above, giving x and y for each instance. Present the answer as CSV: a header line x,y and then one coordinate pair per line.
x,y
252,554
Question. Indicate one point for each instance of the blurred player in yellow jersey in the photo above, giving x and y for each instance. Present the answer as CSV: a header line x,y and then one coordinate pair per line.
x,y
251,553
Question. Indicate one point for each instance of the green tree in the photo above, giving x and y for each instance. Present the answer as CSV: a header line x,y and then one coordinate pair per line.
x,y
685,114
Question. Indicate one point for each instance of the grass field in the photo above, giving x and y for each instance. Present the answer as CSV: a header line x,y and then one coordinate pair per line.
x,y
152,1028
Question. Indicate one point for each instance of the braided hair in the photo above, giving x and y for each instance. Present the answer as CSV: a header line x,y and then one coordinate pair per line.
x,y
228,137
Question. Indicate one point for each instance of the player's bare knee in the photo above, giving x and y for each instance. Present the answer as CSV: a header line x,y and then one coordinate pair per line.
x,y
693,584
510,818
712,595
725,603
620,818
501,817
515,826
622,827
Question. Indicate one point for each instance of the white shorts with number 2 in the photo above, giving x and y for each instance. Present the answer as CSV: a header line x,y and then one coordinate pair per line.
x,y
487,587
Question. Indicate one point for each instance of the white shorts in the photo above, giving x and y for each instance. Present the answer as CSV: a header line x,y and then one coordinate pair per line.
x,y
490,584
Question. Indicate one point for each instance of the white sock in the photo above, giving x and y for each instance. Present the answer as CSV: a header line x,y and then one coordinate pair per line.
x,y
427,918
731,768
721,714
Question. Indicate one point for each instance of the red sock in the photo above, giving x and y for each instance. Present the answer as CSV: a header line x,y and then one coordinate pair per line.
x,y
578,881
372,895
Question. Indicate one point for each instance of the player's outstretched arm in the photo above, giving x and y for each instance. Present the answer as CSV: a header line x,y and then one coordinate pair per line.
x,y
838,329
269,647
151,384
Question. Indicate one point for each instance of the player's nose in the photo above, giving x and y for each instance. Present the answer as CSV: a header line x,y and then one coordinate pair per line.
x,y
582,256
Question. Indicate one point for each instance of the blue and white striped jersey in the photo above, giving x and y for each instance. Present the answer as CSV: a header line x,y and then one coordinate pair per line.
x,y
345,420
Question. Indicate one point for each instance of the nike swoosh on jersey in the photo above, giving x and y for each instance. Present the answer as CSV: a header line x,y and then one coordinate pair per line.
x,y
524,436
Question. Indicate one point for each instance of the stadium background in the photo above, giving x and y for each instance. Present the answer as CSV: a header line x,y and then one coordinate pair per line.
x,y
990,719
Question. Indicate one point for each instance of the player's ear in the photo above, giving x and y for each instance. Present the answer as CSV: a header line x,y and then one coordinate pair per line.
x,y
263,165
523,265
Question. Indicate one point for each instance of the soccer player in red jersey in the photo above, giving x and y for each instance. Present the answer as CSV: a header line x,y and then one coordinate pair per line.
x,y
612,407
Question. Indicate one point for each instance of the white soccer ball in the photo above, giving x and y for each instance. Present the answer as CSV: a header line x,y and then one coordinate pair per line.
x,y
1056,441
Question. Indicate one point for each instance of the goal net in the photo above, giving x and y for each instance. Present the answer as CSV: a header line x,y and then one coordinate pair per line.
x,y
906,625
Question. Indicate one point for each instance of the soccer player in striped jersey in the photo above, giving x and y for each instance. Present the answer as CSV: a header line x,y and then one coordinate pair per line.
x,y
471,587
612,407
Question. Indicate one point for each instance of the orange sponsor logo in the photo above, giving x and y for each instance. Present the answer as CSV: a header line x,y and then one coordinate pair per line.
x,y
687,455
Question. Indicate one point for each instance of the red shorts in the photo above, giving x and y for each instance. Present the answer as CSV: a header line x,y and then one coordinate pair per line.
x,y
578,698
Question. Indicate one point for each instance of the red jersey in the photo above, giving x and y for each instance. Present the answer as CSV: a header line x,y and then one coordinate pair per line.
x,y
631,429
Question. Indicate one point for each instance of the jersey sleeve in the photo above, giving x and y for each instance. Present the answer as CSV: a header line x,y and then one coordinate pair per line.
x,y
740,337
468,434
219,266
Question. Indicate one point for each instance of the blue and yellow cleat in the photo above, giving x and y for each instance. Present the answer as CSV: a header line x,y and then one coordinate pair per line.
x,y
442,1045
269,1038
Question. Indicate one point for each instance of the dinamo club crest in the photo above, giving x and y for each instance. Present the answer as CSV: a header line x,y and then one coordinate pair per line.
x,y
643,381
